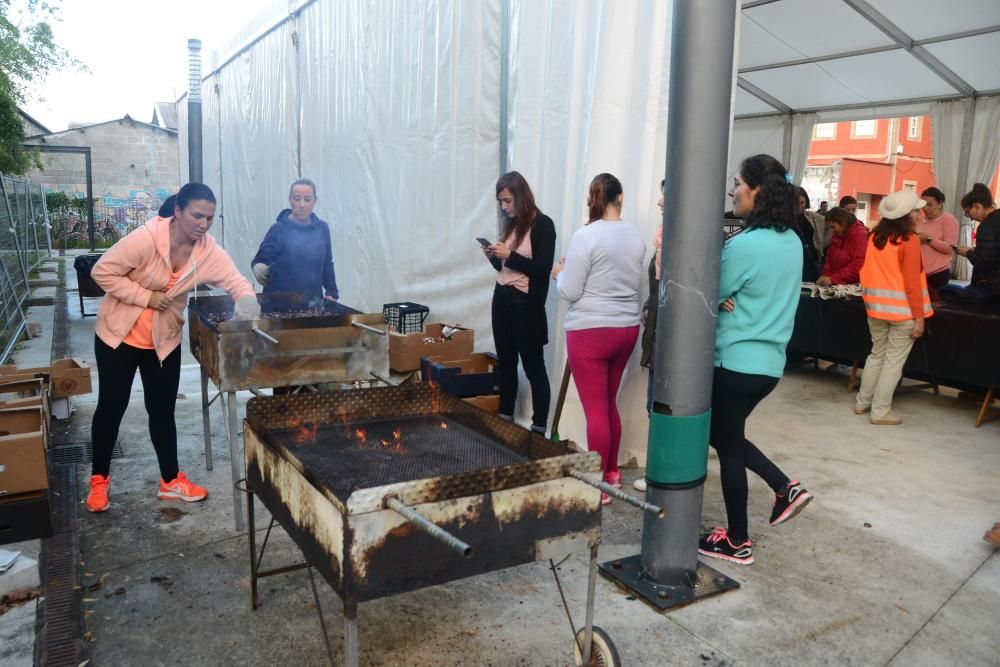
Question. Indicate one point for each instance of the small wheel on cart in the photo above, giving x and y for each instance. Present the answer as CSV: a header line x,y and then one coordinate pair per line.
x,y
602,653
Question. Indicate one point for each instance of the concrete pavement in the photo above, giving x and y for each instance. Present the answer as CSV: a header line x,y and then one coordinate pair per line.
x,y
885,567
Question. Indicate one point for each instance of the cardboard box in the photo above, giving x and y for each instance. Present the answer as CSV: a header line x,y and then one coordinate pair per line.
x,y
32,402
25,517
406,350
488,403
14,387
473,376
65,377
23,467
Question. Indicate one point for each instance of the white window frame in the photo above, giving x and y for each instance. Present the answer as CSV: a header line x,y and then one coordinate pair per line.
x,y
858,133
914,127
825,131
910,185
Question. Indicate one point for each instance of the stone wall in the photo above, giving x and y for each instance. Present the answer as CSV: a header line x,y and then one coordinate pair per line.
x,y
129,160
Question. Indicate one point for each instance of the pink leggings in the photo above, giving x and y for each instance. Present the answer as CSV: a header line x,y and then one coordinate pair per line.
x,y
597,358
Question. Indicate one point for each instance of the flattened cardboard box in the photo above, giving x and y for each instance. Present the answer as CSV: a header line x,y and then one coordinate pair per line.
x,y
405,350
22,452
66,377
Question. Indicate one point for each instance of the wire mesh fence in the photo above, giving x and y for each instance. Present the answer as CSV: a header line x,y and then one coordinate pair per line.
x,y
24,243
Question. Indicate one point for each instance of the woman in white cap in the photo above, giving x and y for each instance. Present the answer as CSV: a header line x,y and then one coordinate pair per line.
x,y
894,287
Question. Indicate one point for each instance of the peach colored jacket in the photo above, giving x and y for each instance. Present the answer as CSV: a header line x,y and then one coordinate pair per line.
x,y
138,265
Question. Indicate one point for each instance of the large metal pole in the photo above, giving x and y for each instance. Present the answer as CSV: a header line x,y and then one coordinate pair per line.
x,y
194,111
698,125
961,187
504,86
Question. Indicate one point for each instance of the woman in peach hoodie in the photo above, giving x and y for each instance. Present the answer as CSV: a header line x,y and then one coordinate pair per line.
x,y
147,276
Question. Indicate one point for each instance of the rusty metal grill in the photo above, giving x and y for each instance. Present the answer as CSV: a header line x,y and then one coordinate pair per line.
x,y
366,454
392,489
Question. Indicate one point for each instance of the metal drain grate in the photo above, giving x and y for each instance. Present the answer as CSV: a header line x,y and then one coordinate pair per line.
x,y
60,324
60,633
60,638
78,452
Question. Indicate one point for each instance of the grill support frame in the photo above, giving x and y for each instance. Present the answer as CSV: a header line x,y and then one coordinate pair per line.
x,y
350,609
526,513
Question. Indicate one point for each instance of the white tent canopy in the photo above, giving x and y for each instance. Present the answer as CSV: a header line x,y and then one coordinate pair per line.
x,y
827,56
807,61
404,113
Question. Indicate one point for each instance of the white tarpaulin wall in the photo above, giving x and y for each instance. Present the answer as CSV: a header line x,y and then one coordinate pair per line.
x,y
589,95
393,108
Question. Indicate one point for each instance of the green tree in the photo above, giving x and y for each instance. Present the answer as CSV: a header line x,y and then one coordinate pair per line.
x,y
27,53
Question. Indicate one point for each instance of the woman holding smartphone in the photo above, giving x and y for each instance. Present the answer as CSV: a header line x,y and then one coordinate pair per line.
x,y
523,259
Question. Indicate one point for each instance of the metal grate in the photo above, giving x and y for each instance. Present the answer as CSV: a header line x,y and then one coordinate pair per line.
x,y
78,452
60,637
365,454
60,324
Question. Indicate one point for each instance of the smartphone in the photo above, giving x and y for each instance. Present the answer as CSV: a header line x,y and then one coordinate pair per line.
x,y
483,242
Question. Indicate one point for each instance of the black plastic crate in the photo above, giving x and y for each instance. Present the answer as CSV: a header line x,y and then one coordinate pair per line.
x,y
405,317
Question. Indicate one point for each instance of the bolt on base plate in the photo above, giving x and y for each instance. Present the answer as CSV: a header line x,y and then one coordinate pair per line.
x,y
628,573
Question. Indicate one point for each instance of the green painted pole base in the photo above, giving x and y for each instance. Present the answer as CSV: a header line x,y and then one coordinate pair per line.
x,y
677,451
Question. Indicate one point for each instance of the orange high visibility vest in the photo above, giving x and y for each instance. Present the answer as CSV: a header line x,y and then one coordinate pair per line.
x,y
882,285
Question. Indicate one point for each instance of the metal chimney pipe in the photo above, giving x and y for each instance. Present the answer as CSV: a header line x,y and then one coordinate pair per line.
x,y
194,111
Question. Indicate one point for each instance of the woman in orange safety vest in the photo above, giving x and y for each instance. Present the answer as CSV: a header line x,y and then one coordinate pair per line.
x,y
896,299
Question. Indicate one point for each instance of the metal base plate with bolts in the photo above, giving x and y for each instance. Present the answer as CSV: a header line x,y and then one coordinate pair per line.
x,y
627,572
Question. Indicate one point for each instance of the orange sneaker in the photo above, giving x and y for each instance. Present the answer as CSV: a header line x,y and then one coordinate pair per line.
x,y
181,488
97,499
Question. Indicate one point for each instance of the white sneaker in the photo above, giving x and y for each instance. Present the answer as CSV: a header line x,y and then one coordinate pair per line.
x,y
640,484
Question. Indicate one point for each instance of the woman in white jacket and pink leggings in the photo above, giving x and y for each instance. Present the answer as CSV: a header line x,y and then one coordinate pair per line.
x,y
601,276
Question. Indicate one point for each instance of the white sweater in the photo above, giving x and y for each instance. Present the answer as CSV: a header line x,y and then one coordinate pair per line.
x,y
603,275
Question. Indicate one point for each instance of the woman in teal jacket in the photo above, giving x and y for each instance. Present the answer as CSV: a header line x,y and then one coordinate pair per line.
x,y
759,286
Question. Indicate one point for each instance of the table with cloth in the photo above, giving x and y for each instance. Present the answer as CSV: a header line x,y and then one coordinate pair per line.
x,y
959,348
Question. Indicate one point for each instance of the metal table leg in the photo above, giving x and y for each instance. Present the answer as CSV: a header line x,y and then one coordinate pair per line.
x,y
319,611
235,457
351,656
251,530
206,422
588,634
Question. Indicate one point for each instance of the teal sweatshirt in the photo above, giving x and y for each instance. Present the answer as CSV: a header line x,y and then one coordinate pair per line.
x,y
762,271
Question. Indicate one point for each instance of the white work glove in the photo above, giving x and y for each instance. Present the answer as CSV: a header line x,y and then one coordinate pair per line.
x,y
262,272
247,307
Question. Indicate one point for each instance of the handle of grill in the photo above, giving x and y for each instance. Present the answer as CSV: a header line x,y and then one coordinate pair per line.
x,y
617,493
362,325
269,338
428,526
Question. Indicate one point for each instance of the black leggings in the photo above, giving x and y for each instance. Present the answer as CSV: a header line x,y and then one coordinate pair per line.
x,y
115,371
734,396
516,334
